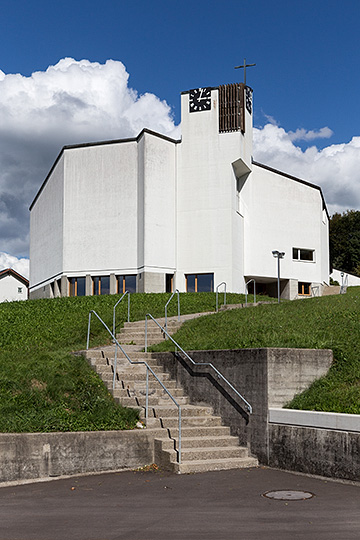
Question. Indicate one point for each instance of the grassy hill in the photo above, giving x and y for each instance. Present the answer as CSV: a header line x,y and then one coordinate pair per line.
x,y
43,387
331,322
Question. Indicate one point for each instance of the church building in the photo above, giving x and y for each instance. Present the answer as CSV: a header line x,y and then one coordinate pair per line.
x,y
154,214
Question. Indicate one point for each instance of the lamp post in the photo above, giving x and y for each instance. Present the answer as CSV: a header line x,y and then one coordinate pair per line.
x,y
278,255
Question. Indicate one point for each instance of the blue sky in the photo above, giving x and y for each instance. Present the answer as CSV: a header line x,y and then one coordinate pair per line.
x,y
306,99
306,52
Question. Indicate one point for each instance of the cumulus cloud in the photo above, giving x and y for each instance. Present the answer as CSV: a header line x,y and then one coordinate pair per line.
x,y
71,102
21,266
335,168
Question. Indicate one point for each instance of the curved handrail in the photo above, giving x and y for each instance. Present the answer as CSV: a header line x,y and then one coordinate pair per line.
x,y
217,292
117,303
148,368
246,290
249,407
168,302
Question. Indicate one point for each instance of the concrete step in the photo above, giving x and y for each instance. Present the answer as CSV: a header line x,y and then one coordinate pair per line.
x,y
128,377
140,385
127,401
171,324
207,454
190,432
191,421
165,412
133,332
214,465
139,341
201,442
158,392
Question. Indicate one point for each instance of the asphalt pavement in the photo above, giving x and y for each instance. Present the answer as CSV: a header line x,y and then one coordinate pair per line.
x,y
154,505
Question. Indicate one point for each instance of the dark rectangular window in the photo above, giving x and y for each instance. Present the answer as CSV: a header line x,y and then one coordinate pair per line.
x,y
80,286
105,285
304,289
77,286
72,286
199,282
126,283
300,254
169,282
191,283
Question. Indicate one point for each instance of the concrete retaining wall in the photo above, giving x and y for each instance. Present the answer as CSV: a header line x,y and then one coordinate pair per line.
x,y
323,452
265,377
38,455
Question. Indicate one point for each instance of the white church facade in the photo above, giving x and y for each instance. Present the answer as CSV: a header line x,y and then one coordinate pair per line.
x,y
151,214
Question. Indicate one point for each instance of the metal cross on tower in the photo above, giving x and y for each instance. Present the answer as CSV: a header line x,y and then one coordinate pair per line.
x,y
245,65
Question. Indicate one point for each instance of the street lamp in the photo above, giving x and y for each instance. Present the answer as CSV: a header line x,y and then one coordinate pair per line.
x,y
278,255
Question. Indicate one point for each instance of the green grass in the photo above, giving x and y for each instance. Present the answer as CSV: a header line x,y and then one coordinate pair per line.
x,y
43,387
321,323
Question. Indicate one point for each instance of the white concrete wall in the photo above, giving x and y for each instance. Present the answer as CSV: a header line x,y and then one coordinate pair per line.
x,y
351,280
46,229
281,213
206,228
100,209
157,187
9,289
322,420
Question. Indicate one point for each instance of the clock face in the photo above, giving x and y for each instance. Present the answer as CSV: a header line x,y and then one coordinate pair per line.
x,y
248,99
200,99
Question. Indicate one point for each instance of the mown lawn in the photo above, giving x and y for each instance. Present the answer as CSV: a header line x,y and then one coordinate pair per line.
x,y
43,387
321,323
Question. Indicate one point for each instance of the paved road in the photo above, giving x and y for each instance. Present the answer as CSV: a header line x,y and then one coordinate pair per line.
x,y
159,506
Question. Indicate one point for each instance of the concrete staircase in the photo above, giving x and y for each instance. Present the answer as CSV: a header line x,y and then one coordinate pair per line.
x,y
206,443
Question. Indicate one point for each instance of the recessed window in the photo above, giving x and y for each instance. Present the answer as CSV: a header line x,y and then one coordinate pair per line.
x,y
169,283
199,282
126,283
19,290
304,289
77,286
101,285
301,254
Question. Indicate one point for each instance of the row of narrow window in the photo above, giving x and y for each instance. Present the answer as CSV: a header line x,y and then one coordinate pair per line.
x,y
194,283
101,284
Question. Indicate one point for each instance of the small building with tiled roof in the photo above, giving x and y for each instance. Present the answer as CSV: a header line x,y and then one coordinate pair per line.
x,y
13,286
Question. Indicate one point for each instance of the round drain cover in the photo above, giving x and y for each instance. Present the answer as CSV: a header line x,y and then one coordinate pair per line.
x,y
288,495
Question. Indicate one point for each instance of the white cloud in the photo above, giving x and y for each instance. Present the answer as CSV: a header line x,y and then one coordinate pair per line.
x,y
71,102
21,266
335,168
302,134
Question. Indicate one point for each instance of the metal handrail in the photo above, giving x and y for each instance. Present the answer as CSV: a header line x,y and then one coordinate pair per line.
x,y
117,303
249,407
168,302
217,292
148,368
246,290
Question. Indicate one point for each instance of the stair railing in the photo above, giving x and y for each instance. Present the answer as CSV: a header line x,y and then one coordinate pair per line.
x,y
344,283
148,370
246,290
114,308
168,302
217,293
248,406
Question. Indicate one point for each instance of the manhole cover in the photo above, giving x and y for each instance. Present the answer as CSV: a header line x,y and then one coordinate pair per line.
x,y
288,495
